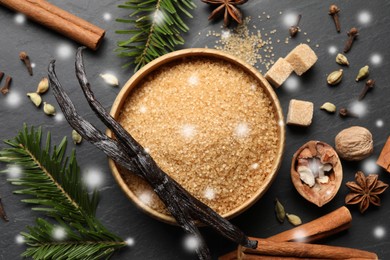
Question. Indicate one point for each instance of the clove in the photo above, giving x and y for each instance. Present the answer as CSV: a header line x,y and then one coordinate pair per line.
x,y
343,112
369,85
334,12
4,90
295,28
352,34
1,75
3,215
26,60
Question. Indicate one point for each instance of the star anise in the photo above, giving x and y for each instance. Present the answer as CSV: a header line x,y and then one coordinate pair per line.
x,y
228,8
365,190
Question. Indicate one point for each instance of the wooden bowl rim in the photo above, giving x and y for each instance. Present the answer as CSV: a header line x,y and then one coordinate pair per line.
x,y
214,54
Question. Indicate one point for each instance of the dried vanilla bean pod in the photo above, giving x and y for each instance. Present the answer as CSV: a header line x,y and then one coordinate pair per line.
x,y
199,211
86,129
114,151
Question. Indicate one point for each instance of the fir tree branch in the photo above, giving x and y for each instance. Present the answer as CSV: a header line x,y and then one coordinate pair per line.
x,y
155,30
55,184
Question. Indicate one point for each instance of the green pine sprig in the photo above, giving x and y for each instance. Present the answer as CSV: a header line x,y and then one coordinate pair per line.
x,y
53,182
155,29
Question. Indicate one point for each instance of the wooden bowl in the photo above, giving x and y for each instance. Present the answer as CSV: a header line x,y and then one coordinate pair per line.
x,y
137,79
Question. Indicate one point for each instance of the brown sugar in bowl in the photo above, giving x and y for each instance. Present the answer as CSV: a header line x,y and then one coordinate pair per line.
x,y
210,121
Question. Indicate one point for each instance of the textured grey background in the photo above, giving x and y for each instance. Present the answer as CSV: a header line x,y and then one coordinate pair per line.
x,y
155,240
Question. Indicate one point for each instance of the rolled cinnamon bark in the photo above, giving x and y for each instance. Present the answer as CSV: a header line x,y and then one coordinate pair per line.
x,y
58,20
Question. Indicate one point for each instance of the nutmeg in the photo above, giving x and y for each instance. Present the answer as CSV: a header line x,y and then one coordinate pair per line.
x,y
354,143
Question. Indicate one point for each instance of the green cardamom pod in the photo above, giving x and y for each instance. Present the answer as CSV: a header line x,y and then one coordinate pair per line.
x,y
35,98
279,211
43,85
335,77
342,60
294,219
76,137
363,73
328,107
49,110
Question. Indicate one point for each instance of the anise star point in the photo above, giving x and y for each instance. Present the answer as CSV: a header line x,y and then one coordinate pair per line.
x,y
365,190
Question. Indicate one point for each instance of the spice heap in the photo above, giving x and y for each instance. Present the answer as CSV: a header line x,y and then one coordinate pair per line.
x,y
209,125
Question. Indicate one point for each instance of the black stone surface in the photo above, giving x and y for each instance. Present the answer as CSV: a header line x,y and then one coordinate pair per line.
x,y
156,240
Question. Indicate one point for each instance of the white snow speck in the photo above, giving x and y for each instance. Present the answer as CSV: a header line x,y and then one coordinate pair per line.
x,y
146,198
107,17
370,166
147,150
379,123
191,243
253,87
379,232
130,241
13,99
364,17
291,84
299,236
158,17
33,65
332,50
225,34
242,130
93,178
65,51
359,108
255,166
19,239
290,19
376,59
193,80
59,233
188,131
20,18
209,193
281,123
59,117
14,172
142,109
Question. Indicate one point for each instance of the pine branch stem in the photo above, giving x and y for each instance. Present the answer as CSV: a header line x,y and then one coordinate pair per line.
x,y
147,44
59,187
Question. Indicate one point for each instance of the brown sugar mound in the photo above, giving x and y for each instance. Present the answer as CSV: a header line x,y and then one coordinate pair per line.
x,y
209,125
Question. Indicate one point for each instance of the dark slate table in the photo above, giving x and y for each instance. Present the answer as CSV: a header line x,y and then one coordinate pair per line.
x,y
156,240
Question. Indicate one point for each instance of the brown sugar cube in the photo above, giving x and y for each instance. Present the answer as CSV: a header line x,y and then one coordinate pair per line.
x,y
300,113
279,72
384,157
301,58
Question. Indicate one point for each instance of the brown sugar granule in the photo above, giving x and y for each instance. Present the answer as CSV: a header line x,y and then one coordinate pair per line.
x,y
209,125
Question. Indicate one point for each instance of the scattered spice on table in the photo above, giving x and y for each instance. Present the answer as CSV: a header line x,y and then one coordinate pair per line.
x,y
3,215
334,12
352,34
294,29
5,89
365,190
26,60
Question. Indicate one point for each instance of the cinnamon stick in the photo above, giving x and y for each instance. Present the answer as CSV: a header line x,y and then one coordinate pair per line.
x,y
303,250
58,20
322,227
